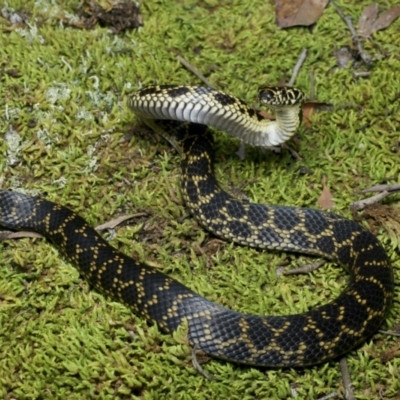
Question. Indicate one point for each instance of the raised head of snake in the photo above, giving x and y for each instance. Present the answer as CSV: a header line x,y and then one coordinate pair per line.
x,y
222,111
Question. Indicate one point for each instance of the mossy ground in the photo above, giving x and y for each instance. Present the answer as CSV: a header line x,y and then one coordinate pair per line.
x,y
61,340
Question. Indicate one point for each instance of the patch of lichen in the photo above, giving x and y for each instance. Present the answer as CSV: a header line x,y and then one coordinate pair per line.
x,y
58,338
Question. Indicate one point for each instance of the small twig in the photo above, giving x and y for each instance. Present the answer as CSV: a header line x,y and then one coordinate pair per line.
x,y
195,71
382,188
361,204
297,67
293,152
305,269
117,221
197,366
329,396
361,74
385,191
5,235
366,58
344,369
312,86
392,333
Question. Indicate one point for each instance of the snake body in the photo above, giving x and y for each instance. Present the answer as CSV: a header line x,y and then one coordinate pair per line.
x,y
294,340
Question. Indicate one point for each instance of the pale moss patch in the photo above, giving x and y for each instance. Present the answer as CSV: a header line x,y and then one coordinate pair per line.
x,y
14,144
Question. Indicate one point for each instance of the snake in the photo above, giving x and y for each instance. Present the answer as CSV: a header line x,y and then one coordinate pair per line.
x,y
297,340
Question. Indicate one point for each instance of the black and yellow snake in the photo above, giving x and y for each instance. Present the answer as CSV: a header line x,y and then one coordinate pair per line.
x,y
295,340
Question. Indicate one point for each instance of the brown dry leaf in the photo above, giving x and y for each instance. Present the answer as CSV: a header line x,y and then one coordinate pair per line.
x,y
367,18
370,23
325,201
266,114
298,12
386,18
310,106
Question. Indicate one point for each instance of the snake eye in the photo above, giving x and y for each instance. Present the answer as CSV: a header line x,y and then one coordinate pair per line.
x,y
267,96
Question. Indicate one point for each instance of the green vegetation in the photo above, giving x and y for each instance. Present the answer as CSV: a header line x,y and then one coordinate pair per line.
x,y
70,138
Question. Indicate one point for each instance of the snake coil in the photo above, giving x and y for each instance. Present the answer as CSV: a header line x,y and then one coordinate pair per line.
x,y
294,340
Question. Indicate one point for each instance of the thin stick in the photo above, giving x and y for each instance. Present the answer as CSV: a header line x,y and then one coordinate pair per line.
x,y
344,369
293,152
117,221
366,58
198,367
305,269
385,191
296,69
381,188
6,235
329,396
361,74
389,333
361,204
312,86
195,71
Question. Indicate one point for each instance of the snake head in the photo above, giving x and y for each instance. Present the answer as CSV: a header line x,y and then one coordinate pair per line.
x,y
280,96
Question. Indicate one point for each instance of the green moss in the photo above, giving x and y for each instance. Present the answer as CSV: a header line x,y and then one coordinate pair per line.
x,y
58,338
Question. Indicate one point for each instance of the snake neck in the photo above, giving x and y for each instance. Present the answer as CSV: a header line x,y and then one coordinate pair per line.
x,y
284,127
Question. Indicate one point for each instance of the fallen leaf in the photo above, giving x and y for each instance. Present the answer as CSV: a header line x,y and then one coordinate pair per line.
x,y
310,106
266,115
367,18
370,23
386,19
326,199
298,12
